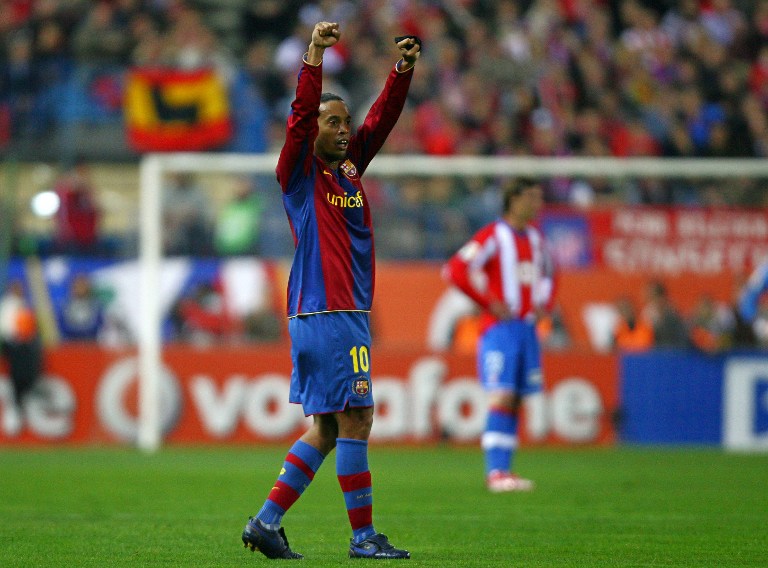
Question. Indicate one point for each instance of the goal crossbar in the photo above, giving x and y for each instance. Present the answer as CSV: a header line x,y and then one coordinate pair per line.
x,y
421,165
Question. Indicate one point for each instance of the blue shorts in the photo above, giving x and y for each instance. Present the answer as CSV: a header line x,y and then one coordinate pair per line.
x,y
331,355
509,358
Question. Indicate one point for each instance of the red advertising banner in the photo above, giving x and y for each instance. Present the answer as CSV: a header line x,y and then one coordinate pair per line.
x,y
657,240
239,395
673,241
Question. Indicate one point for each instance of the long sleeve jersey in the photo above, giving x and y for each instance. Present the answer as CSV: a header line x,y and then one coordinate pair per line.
x,y
333,265
500,263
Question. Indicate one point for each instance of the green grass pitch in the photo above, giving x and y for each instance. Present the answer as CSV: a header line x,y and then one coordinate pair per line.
x,y
632,507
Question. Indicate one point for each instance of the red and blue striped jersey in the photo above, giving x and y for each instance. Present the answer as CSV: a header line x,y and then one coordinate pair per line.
x,y
501,263
333,265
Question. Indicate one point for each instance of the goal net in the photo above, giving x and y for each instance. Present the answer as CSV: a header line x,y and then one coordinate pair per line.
x,y
406,175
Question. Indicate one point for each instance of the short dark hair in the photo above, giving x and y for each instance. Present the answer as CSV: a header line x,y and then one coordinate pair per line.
x,y
515,188
325,97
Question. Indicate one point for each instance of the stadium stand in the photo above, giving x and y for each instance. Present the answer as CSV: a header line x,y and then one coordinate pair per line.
x,y
629,78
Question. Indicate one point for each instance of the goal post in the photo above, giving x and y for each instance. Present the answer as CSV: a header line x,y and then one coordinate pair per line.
x,y
153,167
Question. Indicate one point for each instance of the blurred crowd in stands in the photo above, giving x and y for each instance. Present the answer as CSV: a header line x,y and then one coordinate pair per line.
x,y
711,327
686,78
206,314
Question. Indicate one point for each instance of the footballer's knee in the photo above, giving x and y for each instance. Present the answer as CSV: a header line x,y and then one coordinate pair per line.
x,y
355,423
322,434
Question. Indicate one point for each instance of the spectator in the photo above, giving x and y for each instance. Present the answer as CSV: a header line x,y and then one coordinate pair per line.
x,y
757,35
21,347
742,335
668,326
262,326
53,66
442,219
633,140
249,292
190,44
78,216
81,316
19,83
724,23
203,318
403,236
760,325
711,325
758,73
251,114
239,221
682,23
631,334
270,18
678,143
264,78
643,34
186,216
100,39
147,42
552,332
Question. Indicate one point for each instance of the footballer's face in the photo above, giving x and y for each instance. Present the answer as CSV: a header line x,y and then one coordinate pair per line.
x,y
334,125
525,207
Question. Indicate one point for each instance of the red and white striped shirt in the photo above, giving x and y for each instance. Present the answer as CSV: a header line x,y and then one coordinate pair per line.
x,y
500,263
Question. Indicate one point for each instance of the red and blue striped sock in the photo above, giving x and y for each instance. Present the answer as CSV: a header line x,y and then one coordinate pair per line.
x,y
298,471
499,440
355,481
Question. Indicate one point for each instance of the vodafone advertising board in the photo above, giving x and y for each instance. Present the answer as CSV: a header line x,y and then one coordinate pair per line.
x,y
239,395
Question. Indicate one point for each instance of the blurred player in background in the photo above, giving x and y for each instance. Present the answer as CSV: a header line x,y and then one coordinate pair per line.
x,y
752,307
330,291
506,270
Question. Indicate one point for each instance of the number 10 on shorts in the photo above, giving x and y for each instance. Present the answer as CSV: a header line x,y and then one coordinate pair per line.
x,y
360,360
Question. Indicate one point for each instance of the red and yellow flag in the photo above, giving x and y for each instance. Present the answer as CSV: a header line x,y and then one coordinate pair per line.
x,y
175,110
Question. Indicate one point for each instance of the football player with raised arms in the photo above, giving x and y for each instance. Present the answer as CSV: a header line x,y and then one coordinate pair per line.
x,y
330,292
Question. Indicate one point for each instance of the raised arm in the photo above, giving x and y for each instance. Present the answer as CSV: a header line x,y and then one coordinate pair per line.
x,y
383,115
325,35
410,50
301,129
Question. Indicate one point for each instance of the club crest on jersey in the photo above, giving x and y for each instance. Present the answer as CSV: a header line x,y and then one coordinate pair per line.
x,y
361,387
348,169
